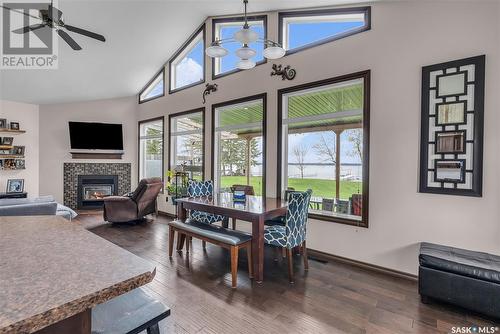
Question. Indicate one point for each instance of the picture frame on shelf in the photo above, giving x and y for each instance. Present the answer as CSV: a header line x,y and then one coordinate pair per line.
x,y
18,150
3,123
7,141
15,186
14,126
20,164
1,164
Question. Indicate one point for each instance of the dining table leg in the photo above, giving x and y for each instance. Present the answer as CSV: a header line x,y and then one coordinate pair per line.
x,y
181,212
80,323
258,249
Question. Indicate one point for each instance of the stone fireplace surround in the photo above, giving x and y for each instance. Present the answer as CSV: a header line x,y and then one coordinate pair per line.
x,y
72,170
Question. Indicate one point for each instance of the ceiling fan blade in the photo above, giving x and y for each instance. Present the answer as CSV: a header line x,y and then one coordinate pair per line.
x,y
67,38
20,12
85,33
28,28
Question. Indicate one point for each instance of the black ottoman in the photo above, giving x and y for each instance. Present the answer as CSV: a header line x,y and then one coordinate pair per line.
x,y
460,277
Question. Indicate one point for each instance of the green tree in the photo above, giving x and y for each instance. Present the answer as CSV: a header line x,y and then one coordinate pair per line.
x,y
154,146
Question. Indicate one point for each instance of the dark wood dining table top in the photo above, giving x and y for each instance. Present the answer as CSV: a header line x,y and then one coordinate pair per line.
x,y
253,205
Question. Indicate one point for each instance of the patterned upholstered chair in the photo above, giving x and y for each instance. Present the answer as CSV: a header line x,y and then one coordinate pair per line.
x,y
293,234
279,221
204,188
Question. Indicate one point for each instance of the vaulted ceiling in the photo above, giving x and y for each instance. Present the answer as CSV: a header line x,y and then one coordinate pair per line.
x,y
140,37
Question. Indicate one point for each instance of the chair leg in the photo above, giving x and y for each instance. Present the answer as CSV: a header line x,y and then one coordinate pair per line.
x,y
234,266
153,329
234,223
283,252
188,241
250,262
171,235
289,255
304,255
181,237
204,244
276,253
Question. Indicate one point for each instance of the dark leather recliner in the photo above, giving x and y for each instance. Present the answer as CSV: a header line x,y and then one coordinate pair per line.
x,y
134,206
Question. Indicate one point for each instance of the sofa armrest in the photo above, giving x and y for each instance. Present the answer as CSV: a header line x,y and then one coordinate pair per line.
x,y
119,209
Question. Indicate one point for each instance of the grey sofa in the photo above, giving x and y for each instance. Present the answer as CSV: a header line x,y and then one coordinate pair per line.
x,y
41,206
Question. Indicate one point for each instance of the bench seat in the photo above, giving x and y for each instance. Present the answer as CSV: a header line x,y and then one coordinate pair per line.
x,y
461,277
230,239
213,232
464,262
132,312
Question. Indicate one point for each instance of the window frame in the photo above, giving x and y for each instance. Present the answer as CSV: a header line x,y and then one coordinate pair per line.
x,y
366,10
263,97
182,113
365,75
236,19
150,120
160,73
186,44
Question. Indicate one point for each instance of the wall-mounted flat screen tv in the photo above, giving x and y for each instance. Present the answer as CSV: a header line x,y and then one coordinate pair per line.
x,y
95,136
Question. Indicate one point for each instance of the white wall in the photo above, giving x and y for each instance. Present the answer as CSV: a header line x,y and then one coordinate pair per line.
x,y
404,37
27,116
54,137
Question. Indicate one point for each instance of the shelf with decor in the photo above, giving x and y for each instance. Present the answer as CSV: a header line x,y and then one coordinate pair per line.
x,y
12,132
11,156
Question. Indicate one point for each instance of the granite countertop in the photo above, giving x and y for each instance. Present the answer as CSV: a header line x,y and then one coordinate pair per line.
x,y
51,269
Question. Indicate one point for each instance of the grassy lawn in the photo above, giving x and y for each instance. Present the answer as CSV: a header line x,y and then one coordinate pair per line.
x,y
320,187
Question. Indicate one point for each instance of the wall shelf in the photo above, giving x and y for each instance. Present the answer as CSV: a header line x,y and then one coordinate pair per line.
x,y
6,147
94,155
11,156
12,132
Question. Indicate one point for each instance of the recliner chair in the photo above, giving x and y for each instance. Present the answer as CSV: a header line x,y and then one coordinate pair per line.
x,y
133,206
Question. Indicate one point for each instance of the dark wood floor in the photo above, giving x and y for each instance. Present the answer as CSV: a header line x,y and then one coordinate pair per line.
x,y
332,297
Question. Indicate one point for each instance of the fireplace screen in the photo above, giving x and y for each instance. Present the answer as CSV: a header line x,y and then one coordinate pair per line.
x,y
93,192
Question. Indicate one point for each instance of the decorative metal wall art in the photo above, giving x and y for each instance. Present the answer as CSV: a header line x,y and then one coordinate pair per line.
x,y
209,88
451,142
286,72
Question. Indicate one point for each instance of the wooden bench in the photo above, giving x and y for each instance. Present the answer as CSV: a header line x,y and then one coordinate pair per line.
x,y
129,313
232,240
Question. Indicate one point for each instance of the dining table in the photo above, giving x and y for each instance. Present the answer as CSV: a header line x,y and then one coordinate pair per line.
x,y
253,209
53,272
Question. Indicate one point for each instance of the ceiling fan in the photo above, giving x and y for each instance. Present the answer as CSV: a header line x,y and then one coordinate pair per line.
x,y
52,18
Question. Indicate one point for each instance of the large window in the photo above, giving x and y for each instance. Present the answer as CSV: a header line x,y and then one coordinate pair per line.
x,y
303,29
238,143
324,146
187,142
154,89
151,148
225,29
187,66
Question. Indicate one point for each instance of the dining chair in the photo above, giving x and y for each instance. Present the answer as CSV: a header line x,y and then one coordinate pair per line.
x,y
280,221
293,234
204,188
248,190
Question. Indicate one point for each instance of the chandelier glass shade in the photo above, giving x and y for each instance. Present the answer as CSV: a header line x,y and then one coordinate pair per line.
x,y
245,36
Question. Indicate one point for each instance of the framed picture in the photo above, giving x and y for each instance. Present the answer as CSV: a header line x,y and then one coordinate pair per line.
x,y
14,125
452,171
451,113
450,142
20,164
3,123
452,126
1,164
18,150
7,141
15,185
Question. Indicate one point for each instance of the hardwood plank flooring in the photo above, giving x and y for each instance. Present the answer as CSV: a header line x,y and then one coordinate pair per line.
x,y
331,297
